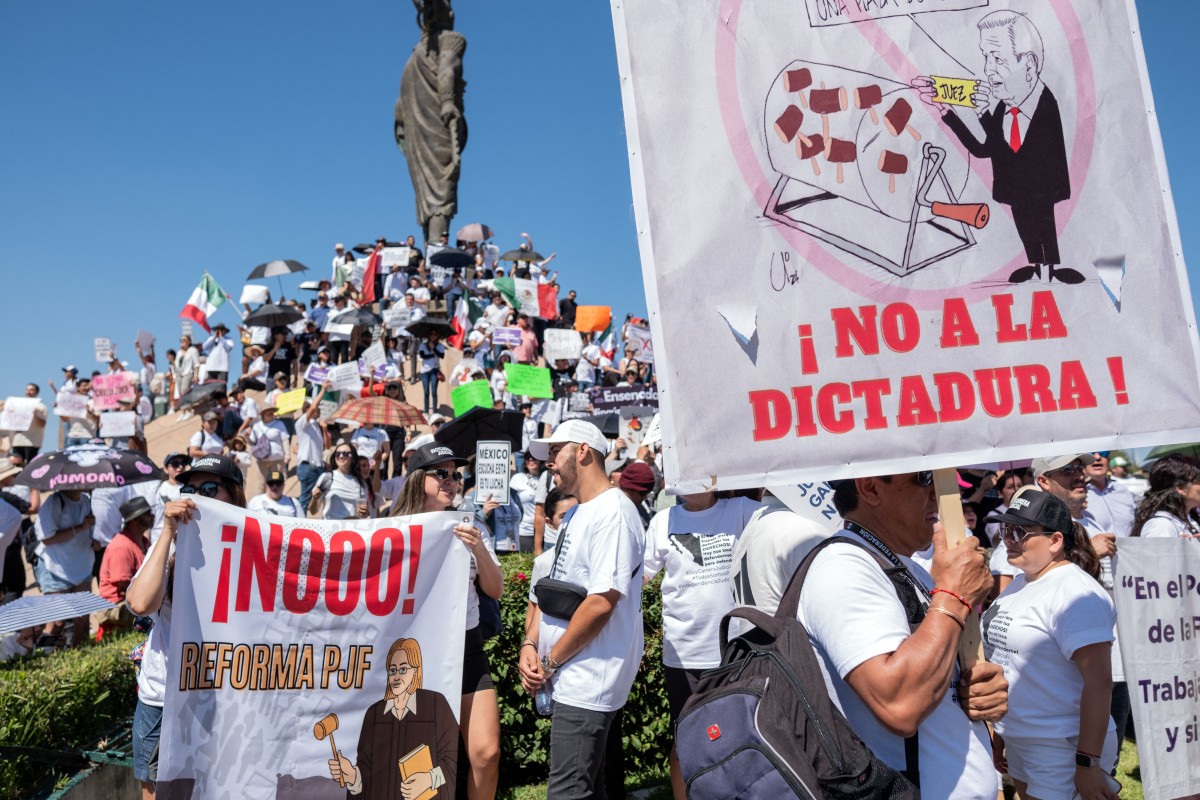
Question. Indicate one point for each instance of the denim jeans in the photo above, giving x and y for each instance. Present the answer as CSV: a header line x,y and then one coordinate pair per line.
x,y
147,725
308,475
429,383
577,742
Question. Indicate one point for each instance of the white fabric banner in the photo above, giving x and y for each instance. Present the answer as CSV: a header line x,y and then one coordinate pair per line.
x,y
834,215
1156,585
285,636
561,344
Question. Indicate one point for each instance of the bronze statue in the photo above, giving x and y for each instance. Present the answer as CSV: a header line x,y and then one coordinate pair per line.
x,y
431,129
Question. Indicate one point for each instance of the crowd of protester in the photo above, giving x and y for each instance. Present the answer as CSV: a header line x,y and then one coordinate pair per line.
x,y
1041,545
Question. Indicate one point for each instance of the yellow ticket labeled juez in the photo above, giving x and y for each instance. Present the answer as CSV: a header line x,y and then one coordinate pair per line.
x,y
954,91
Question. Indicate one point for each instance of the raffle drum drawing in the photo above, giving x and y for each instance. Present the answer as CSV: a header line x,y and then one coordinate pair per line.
x,y
879,175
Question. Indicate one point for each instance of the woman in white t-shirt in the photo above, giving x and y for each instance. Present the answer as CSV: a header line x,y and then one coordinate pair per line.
x,y
206,442
433,482
255,375
340,493
1052,632
1166,508
185,367
269,442
525,484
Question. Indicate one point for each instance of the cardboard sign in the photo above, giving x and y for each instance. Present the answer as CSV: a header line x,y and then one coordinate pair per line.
x,y
492,471
393,257
561,344
527,381
287,402
253,293
18,413
316,374
1158,612
506,337
470,395
592,318
118,424
397,318
344,377
314,615
109,390
374,356
104,349
611,398
71,404
144,341
899,303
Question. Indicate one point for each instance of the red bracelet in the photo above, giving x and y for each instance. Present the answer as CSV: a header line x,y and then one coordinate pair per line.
x,y
955,595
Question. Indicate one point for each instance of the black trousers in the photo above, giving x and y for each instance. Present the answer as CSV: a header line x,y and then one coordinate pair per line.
x,y
1035,226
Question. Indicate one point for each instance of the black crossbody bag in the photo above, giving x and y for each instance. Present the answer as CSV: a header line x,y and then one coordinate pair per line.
x,y
559,598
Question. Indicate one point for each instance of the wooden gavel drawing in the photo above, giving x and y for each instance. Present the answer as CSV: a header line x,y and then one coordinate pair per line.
x,y
324,728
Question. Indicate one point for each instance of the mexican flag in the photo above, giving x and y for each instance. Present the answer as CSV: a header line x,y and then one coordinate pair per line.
x,y
529,297
466,314
206,298
607,342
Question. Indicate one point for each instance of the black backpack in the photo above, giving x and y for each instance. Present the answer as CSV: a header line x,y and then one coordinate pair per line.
x,y
762,724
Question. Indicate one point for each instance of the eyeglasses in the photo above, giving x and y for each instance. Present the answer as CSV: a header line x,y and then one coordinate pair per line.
x,y
177,464
1069,469
275,484
394,671
342,455
206,489
1015,534
443,474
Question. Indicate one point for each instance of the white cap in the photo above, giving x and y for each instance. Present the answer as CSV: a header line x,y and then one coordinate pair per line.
x,y
339,246
573,430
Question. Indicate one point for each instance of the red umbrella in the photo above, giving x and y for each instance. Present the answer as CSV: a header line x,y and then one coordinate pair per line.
x,y
379,411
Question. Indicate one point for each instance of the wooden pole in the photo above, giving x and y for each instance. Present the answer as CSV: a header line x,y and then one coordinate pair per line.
x,y
945,483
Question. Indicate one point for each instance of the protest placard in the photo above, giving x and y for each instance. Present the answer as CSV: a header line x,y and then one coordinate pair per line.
x,y
328,405
634,421
70,404
115,424
253,293
357,271
1156,587
527,381
375,374
18,413
638,338
506,337
492,471
374,356
345,377
491,255
903,299
440,276
397,318
592,318
290,627
653,433
109,390
316,374
610,398
561,344
287,402
104,349
470,395
144,340
393,257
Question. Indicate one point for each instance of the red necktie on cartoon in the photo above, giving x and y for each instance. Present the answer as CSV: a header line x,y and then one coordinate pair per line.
x,y
1014,136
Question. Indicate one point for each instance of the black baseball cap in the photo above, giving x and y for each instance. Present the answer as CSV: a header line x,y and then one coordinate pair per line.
x,y
1038,508
221,466
433,453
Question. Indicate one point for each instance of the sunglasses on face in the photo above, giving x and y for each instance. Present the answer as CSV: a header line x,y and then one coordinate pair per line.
x,y
180,464
1016,535
342,455
1102,453
207,489
275,484
443,474
1069,469
924,478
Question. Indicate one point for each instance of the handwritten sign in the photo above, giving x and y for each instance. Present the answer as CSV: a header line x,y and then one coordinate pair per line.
x,y
491,471
18,413
470,395
71,404
954,91
397,318
440,276
378,373
527,381
374,356
109,390
638,337
822,13
287,402
394,257
506,337
345,377
116,424
561,344
104,349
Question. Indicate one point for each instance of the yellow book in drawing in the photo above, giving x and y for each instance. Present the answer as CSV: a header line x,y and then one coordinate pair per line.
x,y
418,760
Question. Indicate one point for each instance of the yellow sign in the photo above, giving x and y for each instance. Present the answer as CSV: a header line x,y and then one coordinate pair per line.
x,y
289,401
954,91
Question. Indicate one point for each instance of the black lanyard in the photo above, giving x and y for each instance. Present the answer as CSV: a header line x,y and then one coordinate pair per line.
x,y
887,553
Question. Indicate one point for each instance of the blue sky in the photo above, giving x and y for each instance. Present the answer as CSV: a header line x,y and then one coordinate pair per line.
x,y
144,143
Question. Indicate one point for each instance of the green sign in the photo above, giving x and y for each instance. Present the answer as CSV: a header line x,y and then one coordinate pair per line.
x,y
528,381
469,395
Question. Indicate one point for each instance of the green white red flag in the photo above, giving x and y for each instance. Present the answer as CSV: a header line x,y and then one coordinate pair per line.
x,y
206,298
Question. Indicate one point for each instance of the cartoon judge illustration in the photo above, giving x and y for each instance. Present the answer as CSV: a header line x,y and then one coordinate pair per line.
x,y
408,745
1023,138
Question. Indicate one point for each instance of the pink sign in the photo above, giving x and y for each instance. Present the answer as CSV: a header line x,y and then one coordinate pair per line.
x,y
109,390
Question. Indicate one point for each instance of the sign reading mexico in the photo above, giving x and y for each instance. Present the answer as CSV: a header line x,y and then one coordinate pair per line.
x,y
904,234
293,645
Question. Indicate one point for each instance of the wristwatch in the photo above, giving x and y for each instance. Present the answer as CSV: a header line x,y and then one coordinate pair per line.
x,y
1086,760
549,665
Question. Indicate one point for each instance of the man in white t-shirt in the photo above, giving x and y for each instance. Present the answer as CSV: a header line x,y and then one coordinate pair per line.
x,y
894,675
29,442
310,445
592,658
771,547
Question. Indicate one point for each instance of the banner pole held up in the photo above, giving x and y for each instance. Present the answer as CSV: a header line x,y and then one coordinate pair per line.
x,y
945,483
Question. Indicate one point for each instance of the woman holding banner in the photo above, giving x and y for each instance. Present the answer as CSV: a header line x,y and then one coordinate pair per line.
x,y
1166,510
433,481
1052,632
149,594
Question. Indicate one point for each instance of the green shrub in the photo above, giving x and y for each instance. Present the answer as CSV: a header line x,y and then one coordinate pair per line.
x,y
525,737
62,702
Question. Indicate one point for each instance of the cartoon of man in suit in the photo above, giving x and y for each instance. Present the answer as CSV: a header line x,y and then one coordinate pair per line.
x,y
1023,137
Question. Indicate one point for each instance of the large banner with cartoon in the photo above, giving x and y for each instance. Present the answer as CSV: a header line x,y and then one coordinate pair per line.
x,y
312,658
888,235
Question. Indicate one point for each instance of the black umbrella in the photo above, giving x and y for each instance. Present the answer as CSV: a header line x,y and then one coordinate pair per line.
x,y
422,328
200,393
461,434
356,316
363,249
451,258
609,424
93,465
272,315
273,269
522,255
